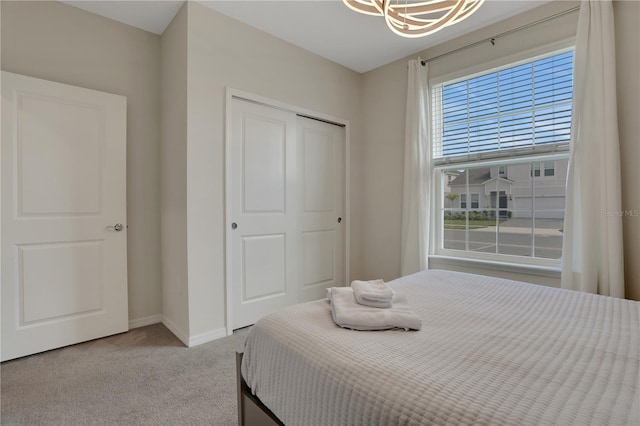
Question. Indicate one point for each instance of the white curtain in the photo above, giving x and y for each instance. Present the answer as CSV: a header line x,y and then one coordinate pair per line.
x,y
417,165
592,246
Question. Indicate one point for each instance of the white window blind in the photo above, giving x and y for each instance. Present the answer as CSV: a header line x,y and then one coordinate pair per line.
x,y
516,109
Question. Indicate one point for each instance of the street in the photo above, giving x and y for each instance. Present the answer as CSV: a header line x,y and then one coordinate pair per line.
x,y
513,240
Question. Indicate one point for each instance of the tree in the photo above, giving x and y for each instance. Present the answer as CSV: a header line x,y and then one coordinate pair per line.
x,y
451,197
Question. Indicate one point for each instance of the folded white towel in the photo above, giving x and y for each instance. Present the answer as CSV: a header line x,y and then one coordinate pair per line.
x,y
348,313
374,293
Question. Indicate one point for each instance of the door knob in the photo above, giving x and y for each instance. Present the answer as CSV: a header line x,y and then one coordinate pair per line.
x,y
117,227
339,220
234,225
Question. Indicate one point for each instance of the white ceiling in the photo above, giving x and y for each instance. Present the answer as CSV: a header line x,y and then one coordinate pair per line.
x,y
148,15
325,27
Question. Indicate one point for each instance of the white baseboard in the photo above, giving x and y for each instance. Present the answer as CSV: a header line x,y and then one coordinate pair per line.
x,y
184,338
196,340
209,336
144,321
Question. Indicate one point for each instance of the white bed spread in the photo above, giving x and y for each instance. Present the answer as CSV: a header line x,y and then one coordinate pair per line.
x,y
490,351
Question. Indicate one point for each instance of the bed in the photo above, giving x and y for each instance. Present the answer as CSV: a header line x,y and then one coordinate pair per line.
x,y
490,351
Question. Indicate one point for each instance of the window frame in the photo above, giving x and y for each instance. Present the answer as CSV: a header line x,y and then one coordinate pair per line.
x,y
437,221
539,154
547,169
541,169
536,171
463,200
476,202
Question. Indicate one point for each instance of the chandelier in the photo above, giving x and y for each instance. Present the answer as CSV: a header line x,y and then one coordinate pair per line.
x,y
416,18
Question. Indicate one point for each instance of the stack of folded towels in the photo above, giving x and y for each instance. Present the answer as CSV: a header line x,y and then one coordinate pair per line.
x,y
371,305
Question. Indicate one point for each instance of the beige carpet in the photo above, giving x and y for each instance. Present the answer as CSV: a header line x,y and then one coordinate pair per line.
x,y
143,377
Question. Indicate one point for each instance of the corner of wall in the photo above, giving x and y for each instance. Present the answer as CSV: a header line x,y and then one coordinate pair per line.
x,y
627,21
173,44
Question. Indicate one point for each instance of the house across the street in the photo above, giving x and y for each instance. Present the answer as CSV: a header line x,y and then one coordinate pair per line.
x,y
523,190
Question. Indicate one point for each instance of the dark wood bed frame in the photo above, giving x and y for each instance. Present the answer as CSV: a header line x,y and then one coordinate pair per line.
x,y
251,411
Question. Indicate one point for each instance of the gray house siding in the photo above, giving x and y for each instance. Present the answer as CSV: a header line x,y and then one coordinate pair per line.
x,y
518,190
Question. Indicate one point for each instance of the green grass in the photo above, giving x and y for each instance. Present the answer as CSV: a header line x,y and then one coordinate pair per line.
x,y
473,224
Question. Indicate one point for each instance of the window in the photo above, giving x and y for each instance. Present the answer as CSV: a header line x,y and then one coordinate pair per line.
x,y
475,201
549,169
502,134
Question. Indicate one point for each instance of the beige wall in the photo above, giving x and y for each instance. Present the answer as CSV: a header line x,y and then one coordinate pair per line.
x,y
182,76
627,21
53,41
224,53
383,112
173,70
384,97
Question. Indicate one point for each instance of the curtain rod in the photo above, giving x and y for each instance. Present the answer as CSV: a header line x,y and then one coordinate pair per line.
x,y
492,40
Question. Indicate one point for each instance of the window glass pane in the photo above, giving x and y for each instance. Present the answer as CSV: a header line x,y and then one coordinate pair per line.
x,y
548,234
506,210
482,232
536,170
455,189
515,107
455,230
549,169
475,203
521,194
452,201
514,234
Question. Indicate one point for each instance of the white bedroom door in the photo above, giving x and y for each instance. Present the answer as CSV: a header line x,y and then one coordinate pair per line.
x,y
64,235
321,207
262,221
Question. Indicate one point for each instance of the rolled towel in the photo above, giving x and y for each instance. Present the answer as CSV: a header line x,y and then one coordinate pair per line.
x,y
374,293
347,313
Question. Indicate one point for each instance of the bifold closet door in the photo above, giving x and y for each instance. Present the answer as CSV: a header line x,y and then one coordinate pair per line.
x,y
64,235
262,228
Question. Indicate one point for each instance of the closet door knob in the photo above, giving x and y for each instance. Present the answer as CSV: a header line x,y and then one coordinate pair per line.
x,y
234,225
339,220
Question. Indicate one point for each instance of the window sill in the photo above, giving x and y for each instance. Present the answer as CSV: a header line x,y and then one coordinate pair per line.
x,y
517,268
